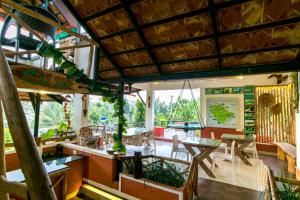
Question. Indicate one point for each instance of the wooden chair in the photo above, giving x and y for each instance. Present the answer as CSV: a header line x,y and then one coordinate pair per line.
x,y
149,137
225,156
252,147
222,145
177,149
86,137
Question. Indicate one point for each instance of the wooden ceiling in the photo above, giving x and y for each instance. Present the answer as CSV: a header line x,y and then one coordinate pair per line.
x,y
154,39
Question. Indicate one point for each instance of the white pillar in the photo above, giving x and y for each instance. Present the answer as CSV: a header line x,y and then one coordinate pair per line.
x,y
80,118
150,97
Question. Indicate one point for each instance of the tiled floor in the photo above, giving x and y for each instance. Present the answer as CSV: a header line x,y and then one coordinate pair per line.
x,y
247,183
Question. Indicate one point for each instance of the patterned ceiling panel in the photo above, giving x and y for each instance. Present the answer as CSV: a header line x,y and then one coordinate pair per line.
x,y
152,10
175,33
200,65
109,75
186,50
105,64
260,58
181,29
90,7
123,42
279,36
257,12
112,22
132,59
142,71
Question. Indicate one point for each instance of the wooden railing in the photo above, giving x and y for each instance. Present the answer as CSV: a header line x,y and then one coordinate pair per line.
x,y
276,126
270,192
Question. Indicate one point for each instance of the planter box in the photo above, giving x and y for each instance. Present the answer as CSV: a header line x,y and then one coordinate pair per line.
x,y
148,190
158,132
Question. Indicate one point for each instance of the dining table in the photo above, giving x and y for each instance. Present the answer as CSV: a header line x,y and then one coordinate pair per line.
x,y
206,147
242,141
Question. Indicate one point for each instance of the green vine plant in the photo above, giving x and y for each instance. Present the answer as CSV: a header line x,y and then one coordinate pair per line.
x,y
74,73
119,105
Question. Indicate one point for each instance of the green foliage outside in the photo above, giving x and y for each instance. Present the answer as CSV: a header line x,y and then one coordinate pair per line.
x,y
184,110
139,110
7,136
49,134
99,109
221,113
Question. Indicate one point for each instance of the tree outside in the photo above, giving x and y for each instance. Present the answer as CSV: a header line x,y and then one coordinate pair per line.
x,y
139,111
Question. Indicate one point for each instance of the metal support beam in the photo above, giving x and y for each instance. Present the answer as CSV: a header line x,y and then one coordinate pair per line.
x,y
97,64
138,93
141,35
55,98
37,115
32,99
121,96
94,37
215,31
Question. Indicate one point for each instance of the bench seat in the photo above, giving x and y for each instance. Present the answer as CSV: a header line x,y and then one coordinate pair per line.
x,y
287,152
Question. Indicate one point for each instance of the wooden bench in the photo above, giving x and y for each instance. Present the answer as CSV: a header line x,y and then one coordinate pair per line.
x,y
287,152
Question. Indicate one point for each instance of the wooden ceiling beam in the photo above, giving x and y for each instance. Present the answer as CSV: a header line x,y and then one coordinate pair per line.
x,y
286,66
215,31
240,53
221,34
174,18
138,29
93,35
108,10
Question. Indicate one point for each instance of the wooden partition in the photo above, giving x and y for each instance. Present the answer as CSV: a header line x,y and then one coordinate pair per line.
x,y
279,127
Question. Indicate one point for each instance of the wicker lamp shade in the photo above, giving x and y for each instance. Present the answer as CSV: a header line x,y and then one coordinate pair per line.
x,y
276,109
266,100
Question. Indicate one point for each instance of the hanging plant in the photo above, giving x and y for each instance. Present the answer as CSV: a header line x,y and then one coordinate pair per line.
x,y
118,106
74,73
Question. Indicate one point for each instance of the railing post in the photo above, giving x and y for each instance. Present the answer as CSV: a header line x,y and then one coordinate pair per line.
x,y
37,179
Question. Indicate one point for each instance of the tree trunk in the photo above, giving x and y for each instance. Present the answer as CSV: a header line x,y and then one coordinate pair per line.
x,y
37,179
3,196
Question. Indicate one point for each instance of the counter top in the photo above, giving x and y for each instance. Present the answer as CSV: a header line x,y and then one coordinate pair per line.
x,y
51,167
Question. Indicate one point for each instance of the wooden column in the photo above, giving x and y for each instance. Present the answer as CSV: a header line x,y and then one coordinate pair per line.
x,y
37,115
3,196
121,96
37,179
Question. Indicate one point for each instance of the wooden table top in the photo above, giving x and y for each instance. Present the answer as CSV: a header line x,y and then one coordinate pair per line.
x,y
202,142
237,137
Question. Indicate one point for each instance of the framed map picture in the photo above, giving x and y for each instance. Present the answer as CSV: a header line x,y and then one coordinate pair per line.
x,y
222,112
